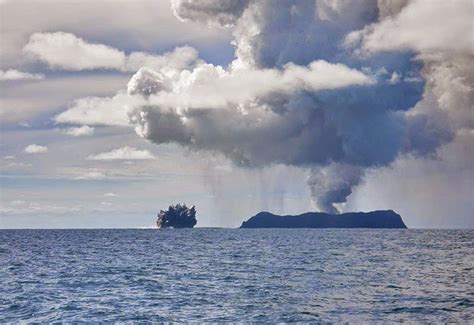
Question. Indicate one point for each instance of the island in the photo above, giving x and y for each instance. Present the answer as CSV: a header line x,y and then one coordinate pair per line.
x,y
373,219
177,216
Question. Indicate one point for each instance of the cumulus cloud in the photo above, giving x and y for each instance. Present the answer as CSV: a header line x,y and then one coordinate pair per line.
x,y
68,52
110,194
124,153
79,131
12,75
146,82
35,148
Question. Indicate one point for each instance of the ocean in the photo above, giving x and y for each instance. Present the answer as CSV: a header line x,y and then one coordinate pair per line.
x,y
228,275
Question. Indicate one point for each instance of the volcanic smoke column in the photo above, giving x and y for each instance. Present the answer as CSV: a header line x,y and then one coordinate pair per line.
x,y
307,88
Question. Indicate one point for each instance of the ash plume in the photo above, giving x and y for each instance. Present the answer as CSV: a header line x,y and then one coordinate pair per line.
x,y
313,84
333,184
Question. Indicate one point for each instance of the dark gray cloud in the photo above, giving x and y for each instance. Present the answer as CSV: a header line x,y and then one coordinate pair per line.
x,y
212,12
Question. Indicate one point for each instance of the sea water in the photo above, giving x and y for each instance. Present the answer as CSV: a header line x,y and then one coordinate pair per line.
x,y
262,275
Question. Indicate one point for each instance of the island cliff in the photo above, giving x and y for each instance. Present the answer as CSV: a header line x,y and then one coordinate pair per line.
x,y
373,219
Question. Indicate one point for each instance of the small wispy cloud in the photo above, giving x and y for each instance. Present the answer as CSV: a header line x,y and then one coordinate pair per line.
x,y
124,153
12,75
17,202
19,207
17,164
110,194
79,131
91,175
25,125
35,148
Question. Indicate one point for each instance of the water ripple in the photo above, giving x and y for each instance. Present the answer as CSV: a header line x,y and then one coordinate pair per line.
x,y
224,275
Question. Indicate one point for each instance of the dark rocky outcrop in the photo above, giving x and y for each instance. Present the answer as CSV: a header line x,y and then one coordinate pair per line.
x,y
177,216
374,219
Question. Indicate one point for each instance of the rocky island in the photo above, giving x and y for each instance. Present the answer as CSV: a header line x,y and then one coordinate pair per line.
x,y
373,219
177,216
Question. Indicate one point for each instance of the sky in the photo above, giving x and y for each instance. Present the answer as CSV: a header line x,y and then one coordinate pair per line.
x,y
113,110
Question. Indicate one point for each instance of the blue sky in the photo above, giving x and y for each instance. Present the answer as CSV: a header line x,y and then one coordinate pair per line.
x,y
111,111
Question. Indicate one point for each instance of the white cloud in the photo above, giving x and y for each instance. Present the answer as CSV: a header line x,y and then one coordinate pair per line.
x,y
124,153
394,78
110,194
98,111
67,51
211,86
12,74
423,26
79,131
35,148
